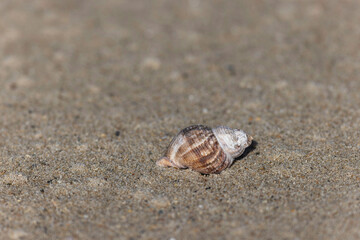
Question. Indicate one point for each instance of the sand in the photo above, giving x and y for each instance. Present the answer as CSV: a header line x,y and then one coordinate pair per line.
x,y
93,91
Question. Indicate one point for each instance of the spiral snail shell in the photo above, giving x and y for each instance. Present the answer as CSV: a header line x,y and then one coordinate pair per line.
x,y
204,149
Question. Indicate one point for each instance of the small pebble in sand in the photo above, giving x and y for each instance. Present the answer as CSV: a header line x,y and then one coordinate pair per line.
x,y
97,183
17,234
151,63
14,179
160,202
204,149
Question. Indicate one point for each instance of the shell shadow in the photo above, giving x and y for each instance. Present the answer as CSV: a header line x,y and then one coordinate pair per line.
x,y
248,150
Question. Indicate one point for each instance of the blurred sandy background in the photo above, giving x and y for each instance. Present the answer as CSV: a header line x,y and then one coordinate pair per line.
x,y
93,91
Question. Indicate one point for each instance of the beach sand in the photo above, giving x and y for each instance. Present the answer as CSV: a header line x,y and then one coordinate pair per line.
x,y
93,92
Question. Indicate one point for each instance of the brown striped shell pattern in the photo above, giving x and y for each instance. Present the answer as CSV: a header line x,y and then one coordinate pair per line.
x,y
204,149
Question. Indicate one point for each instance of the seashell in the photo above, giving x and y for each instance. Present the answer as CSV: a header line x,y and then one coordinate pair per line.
x,y
204,149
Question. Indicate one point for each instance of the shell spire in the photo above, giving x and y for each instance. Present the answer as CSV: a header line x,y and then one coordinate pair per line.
x,y
204,149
